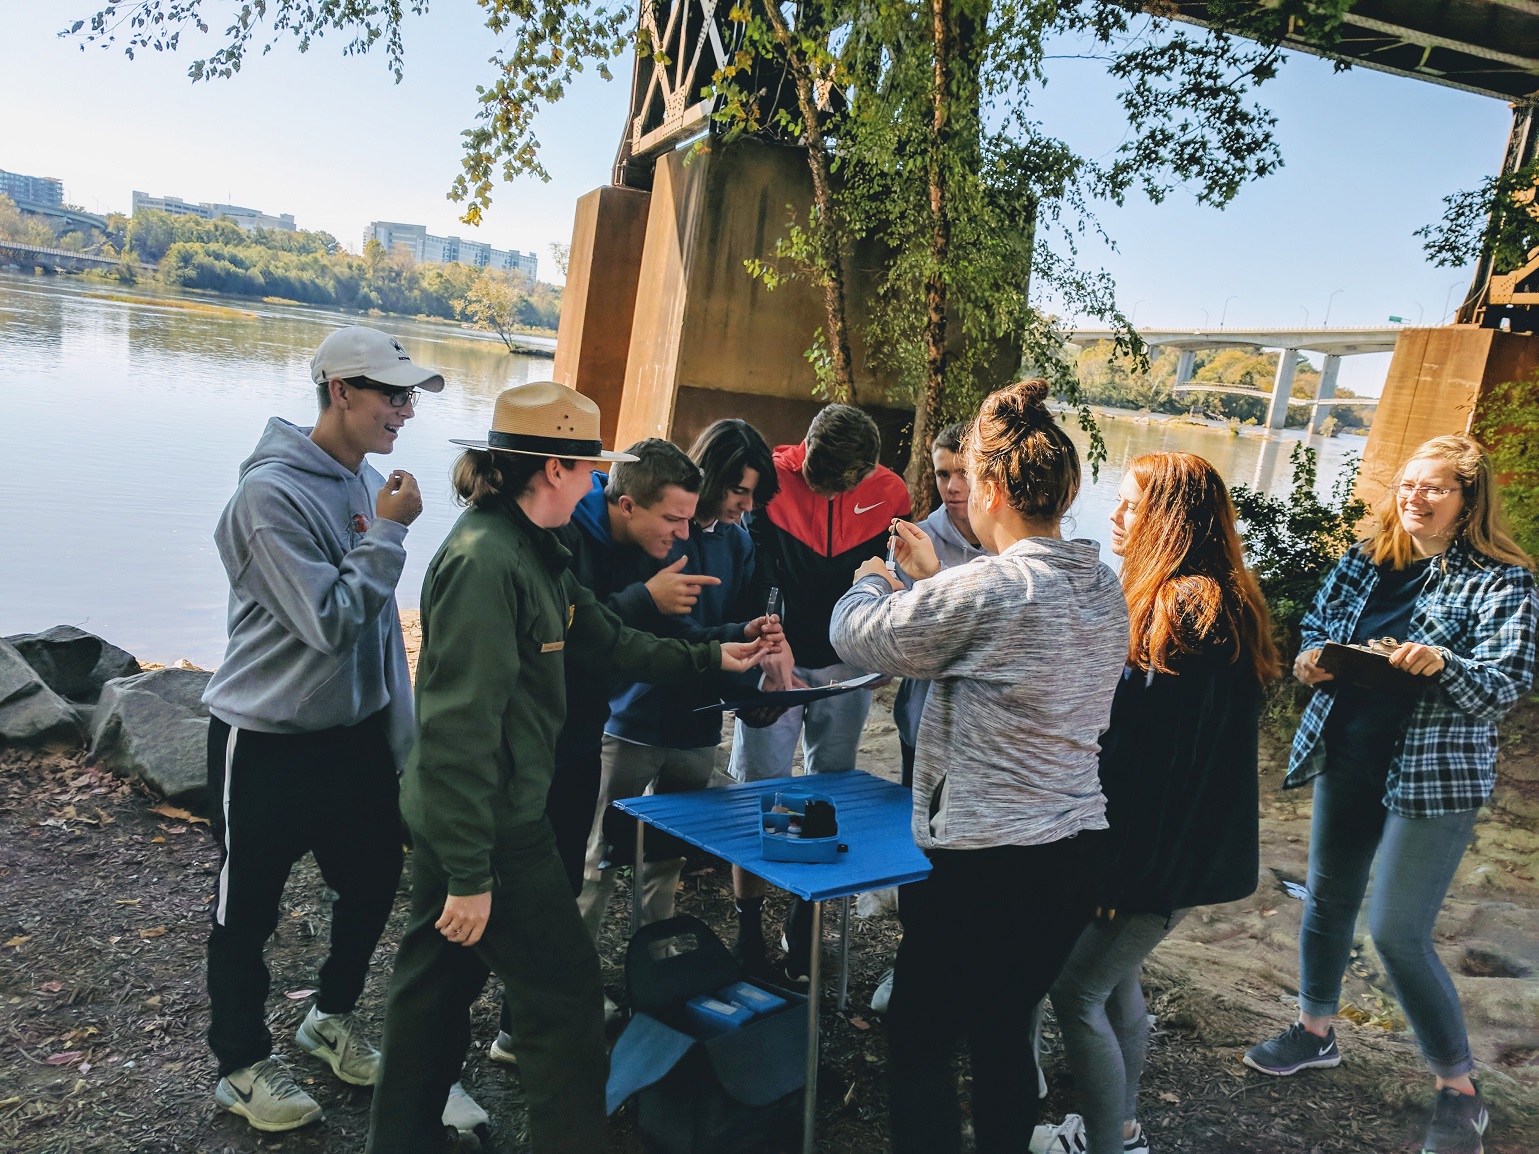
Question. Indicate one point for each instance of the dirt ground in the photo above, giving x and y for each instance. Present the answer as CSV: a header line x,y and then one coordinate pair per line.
x,y
104,900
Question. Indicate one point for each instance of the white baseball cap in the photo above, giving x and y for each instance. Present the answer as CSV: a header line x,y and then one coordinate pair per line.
x,y
357,351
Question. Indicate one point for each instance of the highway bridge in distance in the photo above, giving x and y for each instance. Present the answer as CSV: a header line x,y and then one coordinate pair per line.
x,y
1331,343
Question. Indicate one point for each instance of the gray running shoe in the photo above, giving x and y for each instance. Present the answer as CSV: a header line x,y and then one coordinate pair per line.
x,y
1293,1050
462,1111
339,1042
266,1095
881,997
1458,1123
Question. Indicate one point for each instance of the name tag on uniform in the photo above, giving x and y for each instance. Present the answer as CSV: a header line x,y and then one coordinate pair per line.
x,y
552,646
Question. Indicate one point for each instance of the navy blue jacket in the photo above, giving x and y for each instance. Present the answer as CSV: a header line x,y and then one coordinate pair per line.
x,y
616,575
661,715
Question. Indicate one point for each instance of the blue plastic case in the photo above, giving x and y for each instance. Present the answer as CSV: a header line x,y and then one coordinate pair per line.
x,y
774,842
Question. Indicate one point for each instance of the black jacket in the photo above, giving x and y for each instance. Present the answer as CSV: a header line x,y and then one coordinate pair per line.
x,y
1178,767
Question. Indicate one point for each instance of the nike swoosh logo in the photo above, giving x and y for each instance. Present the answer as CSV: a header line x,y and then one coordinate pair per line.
x,y
1324,1050
859,509
243,1095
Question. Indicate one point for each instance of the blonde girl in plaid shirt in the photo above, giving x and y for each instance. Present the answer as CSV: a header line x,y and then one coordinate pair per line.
x,y
1412,801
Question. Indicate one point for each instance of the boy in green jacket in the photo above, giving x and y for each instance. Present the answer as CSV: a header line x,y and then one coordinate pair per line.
x,y
501,612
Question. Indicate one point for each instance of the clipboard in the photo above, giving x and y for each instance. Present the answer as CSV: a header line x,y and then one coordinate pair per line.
x,y
1368,669
790,697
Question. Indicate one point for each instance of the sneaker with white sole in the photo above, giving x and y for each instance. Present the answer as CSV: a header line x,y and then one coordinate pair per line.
x,y
1068,1137
1138,1143
1458,1125
501,1049
462,1111
338,1041
266,1095
881,997
1295,1049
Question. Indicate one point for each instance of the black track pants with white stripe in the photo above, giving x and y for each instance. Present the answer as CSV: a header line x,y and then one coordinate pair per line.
x,y
273,797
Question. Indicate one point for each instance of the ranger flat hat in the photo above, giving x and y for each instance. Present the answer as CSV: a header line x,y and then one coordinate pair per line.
x,y
544,419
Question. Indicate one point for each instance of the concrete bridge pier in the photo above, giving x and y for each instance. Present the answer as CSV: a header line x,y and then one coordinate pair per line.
x,y
1184,364
1282,388
1325,392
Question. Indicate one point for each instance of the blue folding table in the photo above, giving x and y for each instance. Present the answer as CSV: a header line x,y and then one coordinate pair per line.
x,y
874,821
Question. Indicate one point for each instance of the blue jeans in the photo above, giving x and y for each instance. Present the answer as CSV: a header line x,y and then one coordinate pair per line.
x,y
1417,858
1105,1022
831,738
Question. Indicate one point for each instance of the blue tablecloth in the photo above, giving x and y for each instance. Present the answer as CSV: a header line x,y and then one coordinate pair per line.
x,y
874,821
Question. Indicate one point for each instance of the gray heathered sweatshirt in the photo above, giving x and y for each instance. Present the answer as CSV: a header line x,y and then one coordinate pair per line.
x,y
1024,650
315,639
952,549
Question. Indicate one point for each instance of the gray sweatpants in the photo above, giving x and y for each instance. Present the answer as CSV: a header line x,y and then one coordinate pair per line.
x,y
1105,1022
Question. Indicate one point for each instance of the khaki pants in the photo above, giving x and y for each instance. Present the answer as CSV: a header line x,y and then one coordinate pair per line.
x,y
630,770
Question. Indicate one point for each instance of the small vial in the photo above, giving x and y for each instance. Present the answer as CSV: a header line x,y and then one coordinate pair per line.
x,y
793,828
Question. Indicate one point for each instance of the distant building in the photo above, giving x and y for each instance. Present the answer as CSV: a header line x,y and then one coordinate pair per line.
x,y
247,218
42,191
425,248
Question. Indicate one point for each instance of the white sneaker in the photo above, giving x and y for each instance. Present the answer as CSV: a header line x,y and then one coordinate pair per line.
x,y
462,1111
1138,1143
1068,1137
338,1041
881,997
266,1095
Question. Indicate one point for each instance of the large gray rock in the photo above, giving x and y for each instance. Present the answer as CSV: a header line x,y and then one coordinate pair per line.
x,y
74,663
30,712
154,727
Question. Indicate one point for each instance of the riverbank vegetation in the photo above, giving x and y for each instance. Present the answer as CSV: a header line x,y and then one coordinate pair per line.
x,y
1108,377
302,266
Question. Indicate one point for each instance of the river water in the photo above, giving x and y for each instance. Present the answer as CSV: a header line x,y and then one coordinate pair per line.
x,y
126,422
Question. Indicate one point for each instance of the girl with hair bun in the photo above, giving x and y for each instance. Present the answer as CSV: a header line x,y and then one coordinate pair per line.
x,y
1024,647
1399,776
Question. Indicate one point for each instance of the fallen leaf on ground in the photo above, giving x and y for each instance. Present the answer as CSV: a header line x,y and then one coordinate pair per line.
x,y
156,838
860,1023
152,932
65,1058
849,1095
18,939
178,813
129,901
1168,1096
50,987
296,995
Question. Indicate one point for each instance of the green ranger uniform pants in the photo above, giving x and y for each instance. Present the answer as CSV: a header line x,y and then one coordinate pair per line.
x,y
535,942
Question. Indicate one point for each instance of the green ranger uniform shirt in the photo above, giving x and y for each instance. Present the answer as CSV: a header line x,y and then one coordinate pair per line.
x,y
501,614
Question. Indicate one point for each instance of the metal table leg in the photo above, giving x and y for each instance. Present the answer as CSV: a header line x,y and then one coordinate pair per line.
x,y
814,979
844,951
636,876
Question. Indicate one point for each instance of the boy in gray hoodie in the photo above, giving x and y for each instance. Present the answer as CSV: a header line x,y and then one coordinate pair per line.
x,y
311,713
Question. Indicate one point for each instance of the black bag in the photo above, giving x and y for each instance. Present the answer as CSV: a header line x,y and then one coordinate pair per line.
x,y
730,1094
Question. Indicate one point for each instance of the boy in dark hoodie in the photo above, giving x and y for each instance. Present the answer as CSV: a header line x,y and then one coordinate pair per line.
x,y
654,738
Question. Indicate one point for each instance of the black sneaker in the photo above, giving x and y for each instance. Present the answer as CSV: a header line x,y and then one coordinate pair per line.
x,y
1458,1125
1293,1050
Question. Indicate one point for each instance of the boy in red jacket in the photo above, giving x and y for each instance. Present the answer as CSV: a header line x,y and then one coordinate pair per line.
x,y
832,512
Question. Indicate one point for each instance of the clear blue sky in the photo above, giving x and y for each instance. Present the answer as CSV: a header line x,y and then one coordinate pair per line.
x,y
336,142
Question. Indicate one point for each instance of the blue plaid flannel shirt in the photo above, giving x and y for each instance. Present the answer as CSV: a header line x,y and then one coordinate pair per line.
x,y
1482,616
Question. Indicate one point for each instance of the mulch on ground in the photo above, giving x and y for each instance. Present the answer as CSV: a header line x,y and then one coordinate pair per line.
x,y
104,906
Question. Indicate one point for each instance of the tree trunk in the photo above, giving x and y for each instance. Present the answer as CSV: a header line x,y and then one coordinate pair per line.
x,y
927,412
824,232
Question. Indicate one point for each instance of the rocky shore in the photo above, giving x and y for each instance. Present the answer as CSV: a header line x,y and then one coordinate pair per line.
x,y
106,869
